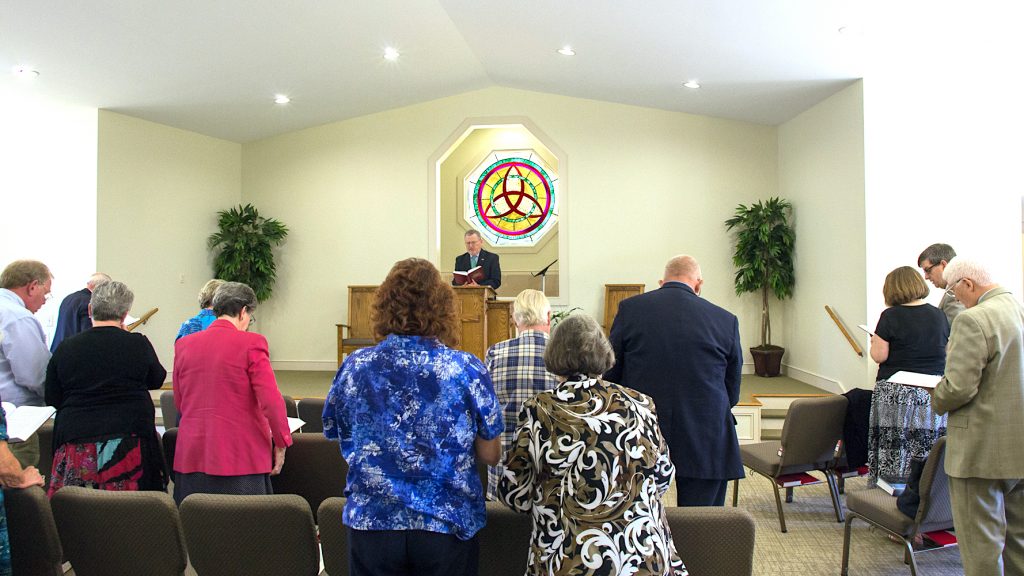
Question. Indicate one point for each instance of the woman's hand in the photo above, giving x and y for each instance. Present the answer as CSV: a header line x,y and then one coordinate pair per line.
x,y
278,460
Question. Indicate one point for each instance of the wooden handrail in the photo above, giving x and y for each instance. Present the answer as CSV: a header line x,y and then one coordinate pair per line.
x,y
839,323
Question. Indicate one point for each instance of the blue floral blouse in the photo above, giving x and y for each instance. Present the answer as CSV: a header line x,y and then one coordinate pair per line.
x,y
5,542
406,414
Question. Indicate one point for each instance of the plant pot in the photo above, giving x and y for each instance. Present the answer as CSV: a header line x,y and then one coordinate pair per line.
x,y
767,360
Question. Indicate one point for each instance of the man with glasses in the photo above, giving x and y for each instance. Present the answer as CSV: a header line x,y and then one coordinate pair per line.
x,y
24,288
933,262
983,392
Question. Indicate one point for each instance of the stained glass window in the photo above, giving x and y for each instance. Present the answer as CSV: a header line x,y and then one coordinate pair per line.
x,y
512,198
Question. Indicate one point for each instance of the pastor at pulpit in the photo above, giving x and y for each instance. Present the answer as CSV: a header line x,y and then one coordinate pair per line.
x,y
476,256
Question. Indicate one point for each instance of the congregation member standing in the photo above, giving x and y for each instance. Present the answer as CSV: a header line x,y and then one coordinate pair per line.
x,y
73,315
684,352
205,317
590,465
476,256
413,416
24,288
933,262
983,392
233,430
517,368
99,382
911,335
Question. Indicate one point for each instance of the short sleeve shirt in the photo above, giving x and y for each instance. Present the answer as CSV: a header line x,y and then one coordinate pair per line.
x,y
917,338
406,414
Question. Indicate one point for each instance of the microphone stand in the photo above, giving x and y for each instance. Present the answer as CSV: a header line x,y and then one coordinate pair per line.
x,y
544,275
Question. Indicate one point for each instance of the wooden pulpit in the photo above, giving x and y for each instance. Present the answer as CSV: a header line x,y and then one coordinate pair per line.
x,y
471,309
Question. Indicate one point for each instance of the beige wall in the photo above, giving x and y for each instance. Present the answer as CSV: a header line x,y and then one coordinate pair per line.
x,y
159,191
821,170
644,185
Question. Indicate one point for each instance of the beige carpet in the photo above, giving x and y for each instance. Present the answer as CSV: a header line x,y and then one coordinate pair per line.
x,y
814,543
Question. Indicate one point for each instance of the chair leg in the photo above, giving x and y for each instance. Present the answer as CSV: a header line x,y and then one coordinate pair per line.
x,y
735,492
842,483
846,546
789,495
909,555
833,490
778,504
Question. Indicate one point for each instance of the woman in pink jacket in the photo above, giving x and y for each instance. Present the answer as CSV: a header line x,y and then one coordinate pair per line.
x,y
234,429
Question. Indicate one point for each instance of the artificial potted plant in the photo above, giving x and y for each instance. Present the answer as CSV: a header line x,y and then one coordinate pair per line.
x,y
244,242
763,257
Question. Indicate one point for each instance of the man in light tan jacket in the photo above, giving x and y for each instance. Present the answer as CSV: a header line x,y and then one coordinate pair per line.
x,y
983,391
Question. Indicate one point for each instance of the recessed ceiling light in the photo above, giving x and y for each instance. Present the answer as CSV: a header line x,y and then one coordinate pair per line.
x,y
390,54
693,84
281,99
566,51
24,72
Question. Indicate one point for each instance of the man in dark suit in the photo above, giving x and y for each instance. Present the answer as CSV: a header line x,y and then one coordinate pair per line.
x,y
476,256
685,353
73,315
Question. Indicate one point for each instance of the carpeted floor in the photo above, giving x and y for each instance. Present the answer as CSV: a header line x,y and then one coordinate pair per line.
x,y
814,543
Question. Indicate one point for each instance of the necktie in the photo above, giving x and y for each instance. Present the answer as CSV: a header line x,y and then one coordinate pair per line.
x,y
472,261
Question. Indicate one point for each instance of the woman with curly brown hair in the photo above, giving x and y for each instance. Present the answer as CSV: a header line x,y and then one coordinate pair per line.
x,y
413,416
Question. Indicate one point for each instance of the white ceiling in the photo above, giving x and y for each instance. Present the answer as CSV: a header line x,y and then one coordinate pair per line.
x,y
214,66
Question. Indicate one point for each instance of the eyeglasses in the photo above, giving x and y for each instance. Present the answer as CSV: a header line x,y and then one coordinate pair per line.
x,y
952,286
928,269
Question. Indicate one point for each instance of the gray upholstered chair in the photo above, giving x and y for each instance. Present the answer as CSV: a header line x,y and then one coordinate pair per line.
x,y
45,467
878,508
168,411
311,410
811,436
713,541
169,440
35,544
504,541
334,536
289,406
105,533
250,535
313,468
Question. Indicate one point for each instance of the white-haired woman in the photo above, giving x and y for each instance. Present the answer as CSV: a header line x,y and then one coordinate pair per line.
x,y
590,464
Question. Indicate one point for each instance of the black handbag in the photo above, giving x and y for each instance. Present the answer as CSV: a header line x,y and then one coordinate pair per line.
x,y
910,499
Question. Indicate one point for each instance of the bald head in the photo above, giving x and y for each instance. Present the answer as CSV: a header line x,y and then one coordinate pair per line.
x,y
684,269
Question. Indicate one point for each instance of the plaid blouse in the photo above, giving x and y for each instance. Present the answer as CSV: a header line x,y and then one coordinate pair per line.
x,y
517,371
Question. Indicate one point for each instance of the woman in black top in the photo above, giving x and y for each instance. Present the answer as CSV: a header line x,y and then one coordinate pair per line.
x,y
105,435
911,335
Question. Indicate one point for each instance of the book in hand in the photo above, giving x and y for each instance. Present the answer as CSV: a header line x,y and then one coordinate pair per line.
x,y
915,379
798,479
476,274
23,421
894,487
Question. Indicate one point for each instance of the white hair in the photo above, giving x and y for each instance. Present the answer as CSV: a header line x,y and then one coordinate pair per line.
x,y
959,268
531,308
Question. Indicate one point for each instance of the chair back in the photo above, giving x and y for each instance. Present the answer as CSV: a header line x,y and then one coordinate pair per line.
x,y
935,511
311,410
35,544
313,469
333,536
168,411
169,441
289,406
504,541
106,533
250,535
813,428
45,467
713,541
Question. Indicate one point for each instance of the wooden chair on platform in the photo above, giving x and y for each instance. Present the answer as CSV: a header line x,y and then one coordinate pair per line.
x,y
313,469
35,544
104,532
252,535
359,326
811,439
713,541
878,508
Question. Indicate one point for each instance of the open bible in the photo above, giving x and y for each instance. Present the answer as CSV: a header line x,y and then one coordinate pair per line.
x,y
461,278
23,421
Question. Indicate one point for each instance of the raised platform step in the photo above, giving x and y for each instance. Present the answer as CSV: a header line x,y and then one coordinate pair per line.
x,y
779,413
771,434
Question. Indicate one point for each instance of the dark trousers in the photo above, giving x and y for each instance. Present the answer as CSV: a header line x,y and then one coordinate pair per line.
x,y
411,553
700,492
